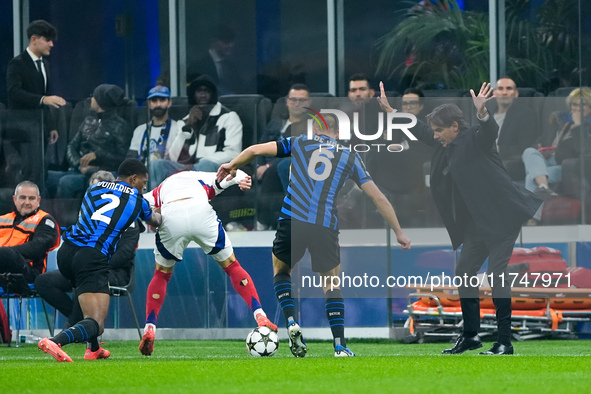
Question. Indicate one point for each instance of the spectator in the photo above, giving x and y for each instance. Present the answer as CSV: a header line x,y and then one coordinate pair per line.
x,y
28,83
360,91
273,172
100,144
211,134
412,102
518,126
219,63
152,140
27,234
53,286
543,164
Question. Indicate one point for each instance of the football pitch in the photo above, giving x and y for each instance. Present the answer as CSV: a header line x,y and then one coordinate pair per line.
x,y
225,366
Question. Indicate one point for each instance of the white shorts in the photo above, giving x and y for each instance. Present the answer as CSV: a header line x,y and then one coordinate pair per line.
x,y
185,221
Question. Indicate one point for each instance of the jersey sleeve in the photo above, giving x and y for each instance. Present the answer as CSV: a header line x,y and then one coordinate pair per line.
x,y
145,212
359,173
284,147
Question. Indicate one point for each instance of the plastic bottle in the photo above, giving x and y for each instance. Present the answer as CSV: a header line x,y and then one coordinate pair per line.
x,y
29,339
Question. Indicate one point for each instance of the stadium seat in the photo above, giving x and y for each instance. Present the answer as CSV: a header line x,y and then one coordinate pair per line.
x,y
125,291
14,286
253,110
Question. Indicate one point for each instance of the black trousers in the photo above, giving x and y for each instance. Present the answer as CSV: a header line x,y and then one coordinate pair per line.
x,y
54,287
13,263
477,247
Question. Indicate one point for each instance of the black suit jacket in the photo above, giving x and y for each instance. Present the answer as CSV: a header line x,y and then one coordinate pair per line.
x,y
26,87
469,182
24,83
520,130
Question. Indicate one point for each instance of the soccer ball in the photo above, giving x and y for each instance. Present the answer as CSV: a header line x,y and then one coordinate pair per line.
x,y
262,342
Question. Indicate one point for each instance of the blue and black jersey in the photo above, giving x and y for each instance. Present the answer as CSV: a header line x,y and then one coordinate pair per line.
x,y
319,168
108,209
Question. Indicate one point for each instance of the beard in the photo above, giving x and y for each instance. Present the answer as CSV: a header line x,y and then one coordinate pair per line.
x,y
158,112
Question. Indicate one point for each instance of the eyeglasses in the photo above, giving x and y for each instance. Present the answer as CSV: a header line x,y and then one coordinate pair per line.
x,y
410,103
577,104
298,100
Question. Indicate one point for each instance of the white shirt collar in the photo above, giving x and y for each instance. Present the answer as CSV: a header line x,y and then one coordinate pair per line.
x,y
33,56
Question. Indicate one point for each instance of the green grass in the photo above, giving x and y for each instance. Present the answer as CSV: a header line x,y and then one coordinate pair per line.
x,y
225,366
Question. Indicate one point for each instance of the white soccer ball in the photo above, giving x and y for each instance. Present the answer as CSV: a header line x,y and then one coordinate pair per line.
x,y
262,342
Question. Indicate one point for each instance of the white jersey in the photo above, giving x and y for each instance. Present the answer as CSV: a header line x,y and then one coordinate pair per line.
x,y
190,184
187,216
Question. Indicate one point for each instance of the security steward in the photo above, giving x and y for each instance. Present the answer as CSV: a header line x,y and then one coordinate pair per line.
x,y
27,234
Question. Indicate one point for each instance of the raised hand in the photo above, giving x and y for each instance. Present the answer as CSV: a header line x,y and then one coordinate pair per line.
x,y
383,100
483,97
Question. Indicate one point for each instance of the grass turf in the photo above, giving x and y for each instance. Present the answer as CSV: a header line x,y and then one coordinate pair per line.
x,y
225,366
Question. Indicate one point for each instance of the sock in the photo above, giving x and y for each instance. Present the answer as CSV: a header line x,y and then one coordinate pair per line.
x,y
243,285
282,283
335,313
156,294
82,331
93,344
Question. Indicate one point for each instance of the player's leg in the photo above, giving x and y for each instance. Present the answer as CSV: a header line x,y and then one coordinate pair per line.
x,y
170,246
244,285
325,255
89,268
288,249
335,311
154,300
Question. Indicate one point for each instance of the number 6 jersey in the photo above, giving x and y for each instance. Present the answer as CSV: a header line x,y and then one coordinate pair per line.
x,y
319,168
107,210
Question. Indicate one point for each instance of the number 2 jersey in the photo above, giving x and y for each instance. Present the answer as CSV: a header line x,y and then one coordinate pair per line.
x,y
319,169
107,210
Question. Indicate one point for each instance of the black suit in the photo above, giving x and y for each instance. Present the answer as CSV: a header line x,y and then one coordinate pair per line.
x,y
481,208
519,131
28,122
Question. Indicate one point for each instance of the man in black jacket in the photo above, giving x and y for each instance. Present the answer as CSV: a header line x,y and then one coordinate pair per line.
x,y
518,126
481,207
28,84
101,143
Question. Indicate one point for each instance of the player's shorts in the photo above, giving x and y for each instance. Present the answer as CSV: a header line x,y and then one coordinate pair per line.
x,y
87,268
185,221
294,237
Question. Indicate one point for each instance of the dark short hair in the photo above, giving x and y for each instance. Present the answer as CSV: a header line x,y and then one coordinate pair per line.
x,y
42,28
131,167
445,115
299,86
416,91
360,77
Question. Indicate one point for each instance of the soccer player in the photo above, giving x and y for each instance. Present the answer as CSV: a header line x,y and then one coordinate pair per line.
x,y
188,216
308,219
108,209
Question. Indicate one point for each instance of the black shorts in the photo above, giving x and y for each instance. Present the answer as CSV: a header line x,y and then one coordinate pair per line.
x,y
87,268
294,237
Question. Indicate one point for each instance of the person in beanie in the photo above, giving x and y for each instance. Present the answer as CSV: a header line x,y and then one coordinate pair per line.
x,y
211,134
100,144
